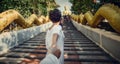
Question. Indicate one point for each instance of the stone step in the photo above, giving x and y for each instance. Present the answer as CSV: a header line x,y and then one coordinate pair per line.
x,y
91,60
77,48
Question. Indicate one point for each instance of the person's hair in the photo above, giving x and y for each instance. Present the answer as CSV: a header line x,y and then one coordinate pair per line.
x,y
55,15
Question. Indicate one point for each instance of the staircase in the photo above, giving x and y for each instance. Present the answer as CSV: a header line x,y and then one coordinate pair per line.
x,y
78,49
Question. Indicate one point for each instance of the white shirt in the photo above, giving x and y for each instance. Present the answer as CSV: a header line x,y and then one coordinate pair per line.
x,y
50,59
57,29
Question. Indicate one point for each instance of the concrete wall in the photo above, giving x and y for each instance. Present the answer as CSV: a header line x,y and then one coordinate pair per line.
x,y
108,41
10,39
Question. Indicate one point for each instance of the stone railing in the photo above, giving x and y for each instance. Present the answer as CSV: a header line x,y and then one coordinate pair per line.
x,y
107,11
13,38
9,16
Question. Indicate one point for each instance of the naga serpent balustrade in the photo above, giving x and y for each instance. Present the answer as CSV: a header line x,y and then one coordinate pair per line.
x,y
107,11
10,16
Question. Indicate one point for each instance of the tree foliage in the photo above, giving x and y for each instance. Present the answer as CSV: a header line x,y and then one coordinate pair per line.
x,y
83,6
25,7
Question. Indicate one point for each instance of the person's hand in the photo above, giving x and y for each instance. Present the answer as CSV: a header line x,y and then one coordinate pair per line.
x,y
57,53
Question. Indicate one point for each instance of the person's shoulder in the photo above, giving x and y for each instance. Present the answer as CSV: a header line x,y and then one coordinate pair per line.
x,y
59,27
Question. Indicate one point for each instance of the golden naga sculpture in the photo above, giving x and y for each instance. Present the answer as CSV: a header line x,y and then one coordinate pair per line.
x,y
107,11
10,16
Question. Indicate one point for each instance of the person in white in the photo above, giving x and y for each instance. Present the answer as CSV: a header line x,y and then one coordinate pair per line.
x,y
54,40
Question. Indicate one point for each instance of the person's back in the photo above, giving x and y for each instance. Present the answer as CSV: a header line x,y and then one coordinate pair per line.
x,y
54,40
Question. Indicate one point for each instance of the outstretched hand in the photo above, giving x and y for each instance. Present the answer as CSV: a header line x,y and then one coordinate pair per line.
x,y
57,53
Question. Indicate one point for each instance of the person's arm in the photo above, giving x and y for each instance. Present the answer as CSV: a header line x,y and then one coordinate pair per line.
x,y
54,41
54,49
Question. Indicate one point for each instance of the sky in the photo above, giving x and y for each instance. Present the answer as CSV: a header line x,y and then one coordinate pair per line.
x,y
63,3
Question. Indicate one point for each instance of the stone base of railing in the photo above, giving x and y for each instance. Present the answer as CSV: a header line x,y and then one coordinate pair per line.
x,y
108,41
11,39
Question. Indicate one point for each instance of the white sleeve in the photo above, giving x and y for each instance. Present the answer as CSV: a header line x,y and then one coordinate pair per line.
x,y
57,30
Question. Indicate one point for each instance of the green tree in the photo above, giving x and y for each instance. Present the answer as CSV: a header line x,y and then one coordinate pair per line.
x,y
26,7
83,6
23,6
